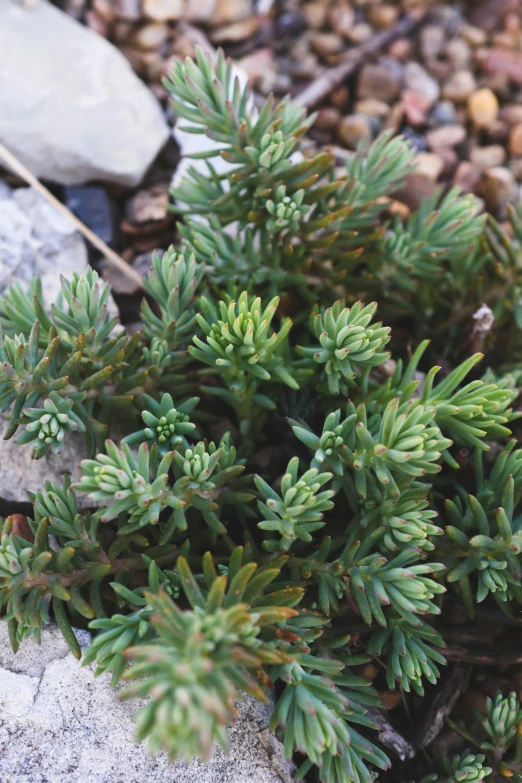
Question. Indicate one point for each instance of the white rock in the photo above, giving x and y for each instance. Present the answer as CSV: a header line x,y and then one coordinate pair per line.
x,y
36,239
71,108
60,725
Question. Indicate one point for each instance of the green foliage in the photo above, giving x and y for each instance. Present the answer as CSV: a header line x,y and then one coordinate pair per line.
x,y
221,439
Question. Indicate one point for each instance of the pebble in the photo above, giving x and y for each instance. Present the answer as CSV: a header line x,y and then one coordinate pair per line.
x,y
372,107
315,14
416,78
415,189
505,61
512,113
229,11
236,31
445,136
383,15
93,207
458,53
148,205
473,35
428,165
129,10
432,38
163,10
150,36
199,10
467,177
486,157
488,13
400,49
417,140
261,69
443,113
288,24
327,118
499,188
360,33
483,107
460,86
105,10
340,97
378,81
416,107
352,129
515,140
325,44
341,17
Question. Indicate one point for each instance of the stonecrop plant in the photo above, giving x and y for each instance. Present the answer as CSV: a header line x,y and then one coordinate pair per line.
x,y
273,492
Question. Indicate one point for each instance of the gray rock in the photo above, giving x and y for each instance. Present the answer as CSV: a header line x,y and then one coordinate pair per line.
x,y
60,725
71,107
416,78
36,239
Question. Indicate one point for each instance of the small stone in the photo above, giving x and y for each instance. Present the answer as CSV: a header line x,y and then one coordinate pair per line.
x,y
458,53
498,132
304,67
288,24
352,129
486,157
378,81
237,31
488,13
512,114
443,113
416,78
325,44
261,69
416,107
199,10
459,87
229,11
450,160
415,189
341,17
428,165
417,140
505,61
340,97
400,49
395,117
499,188
148,205
432,38
150,36
105,10
360,33
315,13
473,35
515,140
163,10
515,166
96,23
445,136
130,10
467,177
383,15
506,40
93,207
327,118
372,107
483,107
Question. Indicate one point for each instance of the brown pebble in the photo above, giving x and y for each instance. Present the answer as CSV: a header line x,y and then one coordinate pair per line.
x,y
378,81
428,165
485,157
148,205
229,11
327,118
163,10
461,85
315,14
372,107
325,44
504,61
150,36
341,18
415,189
445,136
499,188
360,33
400,49
340,97
467,177
105,10
483,107
488,14
515,140
236,31
96,23
352,129
512,113
383,16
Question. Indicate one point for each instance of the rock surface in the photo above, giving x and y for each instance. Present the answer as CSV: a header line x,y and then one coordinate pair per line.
x,y
35,239
60,725
71,107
